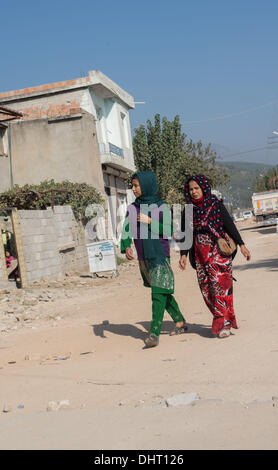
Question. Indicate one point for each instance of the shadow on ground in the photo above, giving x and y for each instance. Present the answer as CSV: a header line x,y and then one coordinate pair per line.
x,y
261,229
137,333
269,264
122,329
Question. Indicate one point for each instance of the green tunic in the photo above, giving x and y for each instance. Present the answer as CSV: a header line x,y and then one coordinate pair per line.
x,y
159,277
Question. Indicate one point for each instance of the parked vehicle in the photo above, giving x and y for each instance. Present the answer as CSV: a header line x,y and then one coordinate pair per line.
x,y
247,214
238,217
265,205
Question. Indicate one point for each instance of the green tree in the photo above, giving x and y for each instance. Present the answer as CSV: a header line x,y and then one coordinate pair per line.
x,y
267,181
162,147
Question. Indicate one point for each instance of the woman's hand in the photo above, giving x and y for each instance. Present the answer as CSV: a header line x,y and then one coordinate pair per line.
x,y
245,252
182,262
129,253
143,218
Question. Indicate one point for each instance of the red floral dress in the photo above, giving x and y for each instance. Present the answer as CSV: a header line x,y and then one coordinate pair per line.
x,y
214,273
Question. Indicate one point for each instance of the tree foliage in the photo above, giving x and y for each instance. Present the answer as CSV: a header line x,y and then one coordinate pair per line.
x,y
50,193
162,147
267,181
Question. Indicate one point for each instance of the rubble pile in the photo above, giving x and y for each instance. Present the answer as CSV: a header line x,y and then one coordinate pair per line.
x,y
24,307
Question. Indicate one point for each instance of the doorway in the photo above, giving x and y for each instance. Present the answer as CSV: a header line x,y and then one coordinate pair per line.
x,y
9,252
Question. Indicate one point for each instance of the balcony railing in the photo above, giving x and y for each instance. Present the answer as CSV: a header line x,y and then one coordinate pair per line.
x,y
111,148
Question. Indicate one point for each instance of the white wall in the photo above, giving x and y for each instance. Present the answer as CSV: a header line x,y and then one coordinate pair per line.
x,y
111,127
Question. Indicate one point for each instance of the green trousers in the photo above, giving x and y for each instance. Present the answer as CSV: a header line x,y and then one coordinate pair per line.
x,y
160,303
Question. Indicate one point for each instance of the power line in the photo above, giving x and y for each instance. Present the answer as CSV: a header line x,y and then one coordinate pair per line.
x,y
226,116
250,151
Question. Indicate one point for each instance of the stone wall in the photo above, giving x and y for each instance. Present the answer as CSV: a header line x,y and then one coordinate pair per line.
x,y
52,243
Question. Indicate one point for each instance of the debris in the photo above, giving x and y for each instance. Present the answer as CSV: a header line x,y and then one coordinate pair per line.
x,y
7,408
183,399
63,404
55,406
88,352
274,401
52,406
63,358
90,381
30,301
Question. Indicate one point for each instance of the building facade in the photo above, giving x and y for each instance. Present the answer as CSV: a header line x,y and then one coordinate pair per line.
x,y
76,130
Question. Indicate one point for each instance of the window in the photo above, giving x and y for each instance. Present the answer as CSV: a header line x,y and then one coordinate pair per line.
x,y
124,130
100,125
3,149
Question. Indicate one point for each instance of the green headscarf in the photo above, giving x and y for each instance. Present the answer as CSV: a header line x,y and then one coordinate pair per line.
x,y
148,184
153,250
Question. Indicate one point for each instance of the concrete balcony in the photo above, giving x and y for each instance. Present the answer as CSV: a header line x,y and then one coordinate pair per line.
x,y
117,157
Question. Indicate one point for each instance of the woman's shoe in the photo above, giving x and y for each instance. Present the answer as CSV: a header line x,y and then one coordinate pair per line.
x,y
224,333
178,330
151,341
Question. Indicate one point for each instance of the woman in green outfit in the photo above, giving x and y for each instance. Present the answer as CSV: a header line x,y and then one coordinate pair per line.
x,y
149,224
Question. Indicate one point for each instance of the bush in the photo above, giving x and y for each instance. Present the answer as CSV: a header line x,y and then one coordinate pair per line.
x,y
48,193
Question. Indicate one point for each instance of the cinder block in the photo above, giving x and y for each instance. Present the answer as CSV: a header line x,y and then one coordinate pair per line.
x,y
68,217
60,231
68,209
58,209
49,214
26,214
32,247
41,214
29,240
45,222
49,246
39,238
48,254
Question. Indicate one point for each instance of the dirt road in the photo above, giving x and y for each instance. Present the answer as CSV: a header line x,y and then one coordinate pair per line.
x,y
85,381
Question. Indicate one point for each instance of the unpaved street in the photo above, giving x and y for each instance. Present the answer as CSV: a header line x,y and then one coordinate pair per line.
x,y
79,377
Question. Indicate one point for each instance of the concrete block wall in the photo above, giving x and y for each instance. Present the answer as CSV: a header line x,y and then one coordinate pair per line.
x,y
39,244
52,242
71,240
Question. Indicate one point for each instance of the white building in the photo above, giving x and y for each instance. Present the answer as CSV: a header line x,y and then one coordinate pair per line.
x,y
77,130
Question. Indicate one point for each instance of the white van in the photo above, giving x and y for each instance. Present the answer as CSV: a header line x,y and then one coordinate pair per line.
x,y
247,214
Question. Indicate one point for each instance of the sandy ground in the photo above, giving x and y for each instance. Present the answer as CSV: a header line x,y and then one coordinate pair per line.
x,y
114,391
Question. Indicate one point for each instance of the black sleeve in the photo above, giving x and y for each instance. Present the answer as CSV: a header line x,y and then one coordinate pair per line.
x,y
183,252
229,226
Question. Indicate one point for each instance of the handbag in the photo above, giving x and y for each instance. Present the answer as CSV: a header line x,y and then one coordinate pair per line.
x,y
226,249
227,246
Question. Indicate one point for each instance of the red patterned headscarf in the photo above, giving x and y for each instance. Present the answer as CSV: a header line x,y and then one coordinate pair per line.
x,y
208,215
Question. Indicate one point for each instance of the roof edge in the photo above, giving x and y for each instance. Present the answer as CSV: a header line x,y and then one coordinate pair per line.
x,y
95,77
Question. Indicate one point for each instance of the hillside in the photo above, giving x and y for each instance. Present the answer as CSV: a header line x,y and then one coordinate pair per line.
x,y
242,177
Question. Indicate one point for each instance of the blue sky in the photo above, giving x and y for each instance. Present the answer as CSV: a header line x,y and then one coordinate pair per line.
x,y
203,60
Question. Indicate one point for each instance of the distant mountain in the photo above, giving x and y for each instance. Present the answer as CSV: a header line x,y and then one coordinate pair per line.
x,y
265,154
222,151
239,190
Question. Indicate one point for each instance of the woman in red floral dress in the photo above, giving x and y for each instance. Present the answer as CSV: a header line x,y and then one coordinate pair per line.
x,y
211,221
